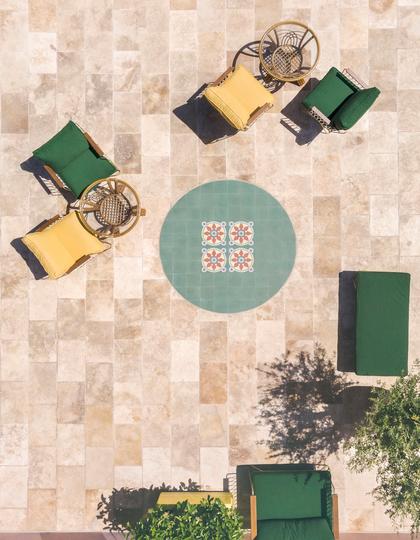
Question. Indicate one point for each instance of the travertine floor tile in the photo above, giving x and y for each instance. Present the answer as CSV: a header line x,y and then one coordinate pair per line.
x,y
41,510
42,467
384,215
99,468
14,482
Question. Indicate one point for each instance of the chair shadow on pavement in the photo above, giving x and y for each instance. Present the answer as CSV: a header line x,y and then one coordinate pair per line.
x,y
309,408
203,119
129,505
297,120
32,262
35,166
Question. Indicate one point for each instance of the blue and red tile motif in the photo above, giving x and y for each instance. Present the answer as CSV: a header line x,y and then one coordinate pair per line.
x,y
214,233
241,233
213,260
241,260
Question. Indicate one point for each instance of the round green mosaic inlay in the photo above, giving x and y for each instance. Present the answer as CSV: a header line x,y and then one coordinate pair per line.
x,y
227,246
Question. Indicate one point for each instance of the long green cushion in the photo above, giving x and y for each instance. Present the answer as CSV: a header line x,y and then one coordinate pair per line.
x,y
330,92
382,302
85,169
63,147
292,495
293,529
354,108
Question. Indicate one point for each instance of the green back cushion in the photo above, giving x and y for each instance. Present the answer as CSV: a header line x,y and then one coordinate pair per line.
x,y
330,93
292,529
354,108
85,169
63,148
382,322
292,495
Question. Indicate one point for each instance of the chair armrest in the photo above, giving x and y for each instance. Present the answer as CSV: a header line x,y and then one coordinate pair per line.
x,y
319,116
45,224
222,77
93,144
83,260
55,177
79,262
336,529
258,112
354,78
253,509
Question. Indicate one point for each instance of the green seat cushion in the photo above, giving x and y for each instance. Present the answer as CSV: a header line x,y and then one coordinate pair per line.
x,y
330,93
85,169
63,148
354,108
294,529
382,302
292,495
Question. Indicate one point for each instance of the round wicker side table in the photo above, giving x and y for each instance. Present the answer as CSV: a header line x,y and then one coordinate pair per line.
x,y
109,208
289,51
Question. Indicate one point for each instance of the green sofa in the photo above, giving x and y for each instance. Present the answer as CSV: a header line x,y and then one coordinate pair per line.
x,y
382,304
292,505
73,159
339,100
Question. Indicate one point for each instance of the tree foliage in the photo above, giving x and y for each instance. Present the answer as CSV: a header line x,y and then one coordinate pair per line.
x,y
389,440
208,520
128,505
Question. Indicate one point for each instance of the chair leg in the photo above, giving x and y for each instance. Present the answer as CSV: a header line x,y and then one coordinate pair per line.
x,y
222,77
79,263
48,222
93,144
257,113
253,508
55,177
336,529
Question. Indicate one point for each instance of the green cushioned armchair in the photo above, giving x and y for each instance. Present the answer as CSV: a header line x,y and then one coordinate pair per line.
x,y
73,159
292,505
339,100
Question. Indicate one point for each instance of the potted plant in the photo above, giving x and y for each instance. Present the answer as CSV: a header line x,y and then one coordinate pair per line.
x,y
388,439
208,520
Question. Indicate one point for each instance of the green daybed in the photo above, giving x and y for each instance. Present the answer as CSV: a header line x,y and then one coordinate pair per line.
x,y
382,302
292,505
73,159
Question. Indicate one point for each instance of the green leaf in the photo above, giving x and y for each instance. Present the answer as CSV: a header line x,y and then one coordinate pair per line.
x,y
388,440
208,520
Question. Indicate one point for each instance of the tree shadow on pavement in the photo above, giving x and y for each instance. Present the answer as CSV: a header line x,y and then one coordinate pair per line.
x,y
309,407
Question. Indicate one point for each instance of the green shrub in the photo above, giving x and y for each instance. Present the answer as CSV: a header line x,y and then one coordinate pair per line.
x,y
389,440
128,505
208,520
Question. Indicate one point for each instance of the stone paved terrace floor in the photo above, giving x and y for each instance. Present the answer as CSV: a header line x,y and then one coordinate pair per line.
x,y
108,377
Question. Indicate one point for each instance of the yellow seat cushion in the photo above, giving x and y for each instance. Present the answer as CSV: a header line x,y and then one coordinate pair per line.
x,y
238,97
171,498
61,245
